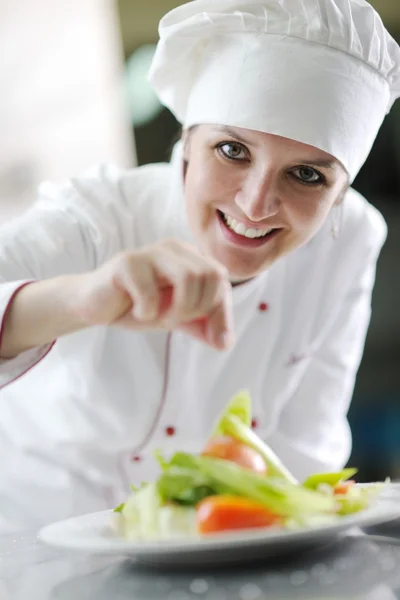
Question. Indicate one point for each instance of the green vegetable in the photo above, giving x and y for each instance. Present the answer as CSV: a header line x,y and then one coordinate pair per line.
x,y
329,478
276,494
160,459
185,486
356,500
177,522
166,508
140,513
184,461
144,516
235,422
303,521
240,407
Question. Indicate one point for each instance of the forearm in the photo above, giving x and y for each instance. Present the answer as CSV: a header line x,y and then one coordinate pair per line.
x,y
39,313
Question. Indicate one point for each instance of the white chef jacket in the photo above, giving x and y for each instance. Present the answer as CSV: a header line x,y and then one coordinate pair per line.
x,y
80,420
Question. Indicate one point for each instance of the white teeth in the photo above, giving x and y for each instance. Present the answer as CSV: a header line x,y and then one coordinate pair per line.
x,y
240,228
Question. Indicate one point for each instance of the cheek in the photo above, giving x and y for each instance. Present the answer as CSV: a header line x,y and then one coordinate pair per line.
x,y
205,187
308,214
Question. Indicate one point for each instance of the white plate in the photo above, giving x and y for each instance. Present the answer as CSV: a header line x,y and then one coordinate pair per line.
x,y
93,534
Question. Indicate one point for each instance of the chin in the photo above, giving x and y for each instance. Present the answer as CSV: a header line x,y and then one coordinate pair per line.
x,y
241,267
237,275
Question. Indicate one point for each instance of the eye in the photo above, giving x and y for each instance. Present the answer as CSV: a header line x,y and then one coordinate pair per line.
x,y
308,175
232,150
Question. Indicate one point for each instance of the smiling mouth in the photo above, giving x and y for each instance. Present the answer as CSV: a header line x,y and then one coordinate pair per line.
x,y
241,230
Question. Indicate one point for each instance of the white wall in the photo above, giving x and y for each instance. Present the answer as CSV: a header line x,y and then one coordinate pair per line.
x,y
61,101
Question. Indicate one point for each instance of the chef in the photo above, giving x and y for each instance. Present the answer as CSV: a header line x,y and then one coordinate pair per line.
x,y
135,304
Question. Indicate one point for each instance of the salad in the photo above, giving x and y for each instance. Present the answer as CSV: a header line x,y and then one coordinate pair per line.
x,y
236,483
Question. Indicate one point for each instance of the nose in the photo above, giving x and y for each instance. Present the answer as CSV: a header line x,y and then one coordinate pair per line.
x,y
258,197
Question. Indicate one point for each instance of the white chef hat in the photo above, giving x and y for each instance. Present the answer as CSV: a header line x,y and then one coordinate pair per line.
x,y
322,72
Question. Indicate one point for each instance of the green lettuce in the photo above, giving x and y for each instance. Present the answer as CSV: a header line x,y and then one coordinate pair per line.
x,y
224,477
184,486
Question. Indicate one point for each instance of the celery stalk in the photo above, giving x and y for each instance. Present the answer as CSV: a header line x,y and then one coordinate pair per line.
x,y
236,421
329,478
240,407
233,427
276,494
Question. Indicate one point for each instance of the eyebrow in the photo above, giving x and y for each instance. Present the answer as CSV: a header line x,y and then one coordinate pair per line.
x,y
318,162
233,133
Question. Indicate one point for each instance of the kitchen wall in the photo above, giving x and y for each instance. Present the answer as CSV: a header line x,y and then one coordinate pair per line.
x,y
62,106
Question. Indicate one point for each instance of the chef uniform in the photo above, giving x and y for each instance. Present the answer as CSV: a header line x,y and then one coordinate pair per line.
x,y
81,418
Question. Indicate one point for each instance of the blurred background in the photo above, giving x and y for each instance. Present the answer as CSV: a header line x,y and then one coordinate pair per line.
x,y
74,93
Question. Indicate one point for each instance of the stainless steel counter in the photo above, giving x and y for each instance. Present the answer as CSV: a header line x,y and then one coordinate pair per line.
x,y
349,568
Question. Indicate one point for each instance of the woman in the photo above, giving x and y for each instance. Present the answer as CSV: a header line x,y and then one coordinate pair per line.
x,y
248,262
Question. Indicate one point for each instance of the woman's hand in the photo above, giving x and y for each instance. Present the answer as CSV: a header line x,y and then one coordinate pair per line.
x,y
165,286
168,285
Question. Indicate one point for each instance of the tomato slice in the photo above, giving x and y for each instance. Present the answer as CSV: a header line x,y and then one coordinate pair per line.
x,y
227,513
343,487
228,448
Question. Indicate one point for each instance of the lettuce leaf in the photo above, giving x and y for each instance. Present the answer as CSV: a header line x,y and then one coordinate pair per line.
x,y
140,513
145,518
184,486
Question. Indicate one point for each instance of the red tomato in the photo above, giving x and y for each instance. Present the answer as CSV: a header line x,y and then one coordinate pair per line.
x,y
343,487
226,513
228,448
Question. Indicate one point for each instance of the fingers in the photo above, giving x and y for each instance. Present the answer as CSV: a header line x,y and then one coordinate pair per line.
x,y
196,284
137,277
171,285
220,327
217,328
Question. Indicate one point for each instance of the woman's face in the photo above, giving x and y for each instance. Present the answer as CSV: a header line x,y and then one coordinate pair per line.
x,y
253,197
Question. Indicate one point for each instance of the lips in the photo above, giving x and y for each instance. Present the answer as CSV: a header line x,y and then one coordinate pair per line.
x,y
241,229
250,238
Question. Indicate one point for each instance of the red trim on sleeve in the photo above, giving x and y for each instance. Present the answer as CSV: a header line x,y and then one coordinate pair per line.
x,y
29,368
5,315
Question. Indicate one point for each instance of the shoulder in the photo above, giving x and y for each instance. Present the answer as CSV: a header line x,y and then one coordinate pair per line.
x,y
109,184
145,182
125,201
